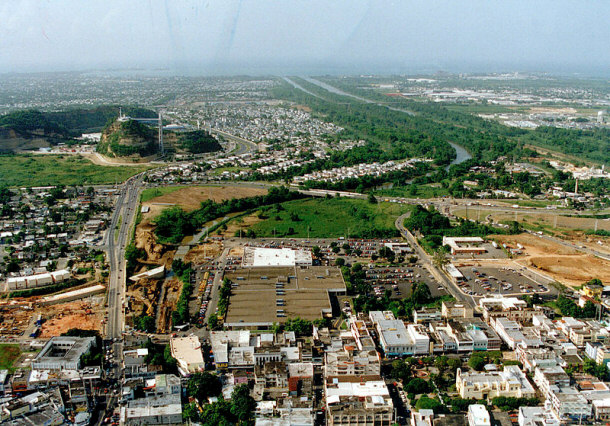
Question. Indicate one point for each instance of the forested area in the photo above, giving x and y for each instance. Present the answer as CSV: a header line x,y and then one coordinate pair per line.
x,y
591,145
198,142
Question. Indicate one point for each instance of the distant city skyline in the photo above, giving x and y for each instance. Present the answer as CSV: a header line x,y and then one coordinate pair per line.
x,y
306,37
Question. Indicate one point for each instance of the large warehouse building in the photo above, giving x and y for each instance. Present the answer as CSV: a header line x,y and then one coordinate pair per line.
x,y
262,296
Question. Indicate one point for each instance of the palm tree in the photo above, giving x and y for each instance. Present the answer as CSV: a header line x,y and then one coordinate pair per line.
x,y
439,259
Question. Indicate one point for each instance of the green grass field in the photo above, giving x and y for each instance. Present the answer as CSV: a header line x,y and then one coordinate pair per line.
x,y
330,218
42,170
150,193
8,355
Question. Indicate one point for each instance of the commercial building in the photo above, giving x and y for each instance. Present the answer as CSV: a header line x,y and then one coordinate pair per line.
x,y
508,307
464,245
537,416
487,385
188,355
514,335
426,315
397,339
456,310
268,257
63,353
152,415
364,401
351,362
478,415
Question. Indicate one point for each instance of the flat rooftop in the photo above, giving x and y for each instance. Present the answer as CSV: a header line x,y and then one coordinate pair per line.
x,y
261,257
267,295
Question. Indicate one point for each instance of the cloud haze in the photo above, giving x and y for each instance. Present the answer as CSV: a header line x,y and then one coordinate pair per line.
x,y
286,36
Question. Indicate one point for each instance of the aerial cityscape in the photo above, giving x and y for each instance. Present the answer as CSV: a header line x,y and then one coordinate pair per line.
x,y
222,240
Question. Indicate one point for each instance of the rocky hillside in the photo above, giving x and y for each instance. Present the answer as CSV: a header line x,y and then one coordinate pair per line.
x,y
128,139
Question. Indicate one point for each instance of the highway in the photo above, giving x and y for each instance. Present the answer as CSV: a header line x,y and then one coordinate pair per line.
x,y
244,145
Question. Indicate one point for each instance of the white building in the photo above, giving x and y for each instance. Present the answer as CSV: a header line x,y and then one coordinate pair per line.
x,y
478,415
187,352
487,385
265,257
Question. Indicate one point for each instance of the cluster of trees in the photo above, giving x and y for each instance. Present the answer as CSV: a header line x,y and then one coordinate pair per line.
x,y
435,225
160,355
198,142
183,271
569,308
237,411
598,370
132,254
145,323
224,293
173,224
511,403
27,121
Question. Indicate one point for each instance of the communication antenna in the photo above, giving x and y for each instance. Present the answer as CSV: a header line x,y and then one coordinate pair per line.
x,y
160,134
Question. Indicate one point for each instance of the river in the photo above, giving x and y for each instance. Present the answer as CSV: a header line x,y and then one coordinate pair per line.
x,y
461,155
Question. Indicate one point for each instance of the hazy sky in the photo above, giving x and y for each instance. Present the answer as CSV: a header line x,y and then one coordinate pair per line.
x,y
292,36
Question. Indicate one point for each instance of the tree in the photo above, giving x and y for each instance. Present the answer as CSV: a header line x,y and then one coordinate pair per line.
x,y
387,254
372,199
476,362
454,363
340,261
315,250
420,293
440,257
417,386
426,403
242,404
203,385
300,326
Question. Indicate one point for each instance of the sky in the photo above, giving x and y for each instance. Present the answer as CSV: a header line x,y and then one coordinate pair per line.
x,y
210,37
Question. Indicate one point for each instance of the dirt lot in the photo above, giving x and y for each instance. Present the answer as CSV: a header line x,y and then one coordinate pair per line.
x,y
15,318
190,198
563,264
204,252
235,225
80,314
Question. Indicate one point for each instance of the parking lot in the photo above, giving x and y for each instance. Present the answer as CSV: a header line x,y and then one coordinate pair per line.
x,y
400,280
481,281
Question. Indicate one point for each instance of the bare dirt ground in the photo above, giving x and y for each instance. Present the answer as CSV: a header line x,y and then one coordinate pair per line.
x,y
593,242
235,225
156,254
563,264
100,160
61,318
15,318
204,252
190,198
166,306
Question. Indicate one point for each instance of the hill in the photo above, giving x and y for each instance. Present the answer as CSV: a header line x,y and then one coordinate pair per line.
x,y
197,142
33,129
29,129
128,138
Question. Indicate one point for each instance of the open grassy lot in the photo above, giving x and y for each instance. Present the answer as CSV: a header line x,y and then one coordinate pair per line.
x,y
334,217
42,170
150,193
8,355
